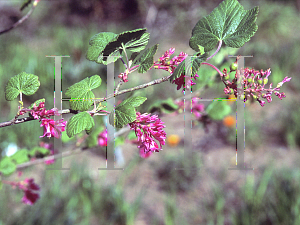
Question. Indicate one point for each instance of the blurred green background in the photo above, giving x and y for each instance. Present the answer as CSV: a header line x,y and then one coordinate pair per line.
x,y
65,27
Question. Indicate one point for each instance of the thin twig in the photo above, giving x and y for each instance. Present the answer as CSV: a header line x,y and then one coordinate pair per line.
x,y
22,19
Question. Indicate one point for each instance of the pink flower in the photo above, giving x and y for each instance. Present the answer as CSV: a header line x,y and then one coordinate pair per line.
x,y
102,138
171,65
39,112
143,154
30,191
53,128
147,128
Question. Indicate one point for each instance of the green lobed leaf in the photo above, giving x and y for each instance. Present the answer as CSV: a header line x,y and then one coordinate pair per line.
x,y
217,110
125,112
24,83
36,103
65,138
7,166
228,22
79,122
127,37
20,156
139,44
194,64
146,59
82,94
97,45
133,101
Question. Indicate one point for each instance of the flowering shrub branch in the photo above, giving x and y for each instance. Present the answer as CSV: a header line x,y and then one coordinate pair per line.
x,y
105,48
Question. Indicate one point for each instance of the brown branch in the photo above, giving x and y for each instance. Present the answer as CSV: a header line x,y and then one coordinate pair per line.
x,y
22,19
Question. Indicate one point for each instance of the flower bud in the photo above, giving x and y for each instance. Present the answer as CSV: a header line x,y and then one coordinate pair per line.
x,y
233,66
266,80
255,97
259,81
226,77
250,80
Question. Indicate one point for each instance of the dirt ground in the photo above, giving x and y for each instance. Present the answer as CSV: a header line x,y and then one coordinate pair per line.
x,y
214,171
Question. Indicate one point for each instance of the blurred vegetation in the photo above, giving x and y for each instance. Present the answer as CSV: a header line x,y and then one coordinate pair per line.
x,y
183,177
72,197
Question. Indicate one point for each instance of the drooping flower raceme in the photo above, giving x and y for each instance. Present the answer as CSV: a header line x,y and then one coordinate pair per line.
x,y
147,128
171,65
254,82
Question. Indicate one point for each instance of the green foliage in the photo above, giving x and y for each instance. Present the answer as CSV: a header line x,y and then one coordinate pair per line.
x,y
38,151
218,109
109,44
79,122
192,63
228,22
24,83
146,59
97,45
20,156
82,94
125,112
7,166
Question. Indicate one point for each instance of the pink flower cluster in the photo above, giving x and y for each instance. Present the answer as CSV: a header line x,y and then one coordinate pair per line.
x,y
170,65
51,128
147,128
29,188
102,138
254,82
30,191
